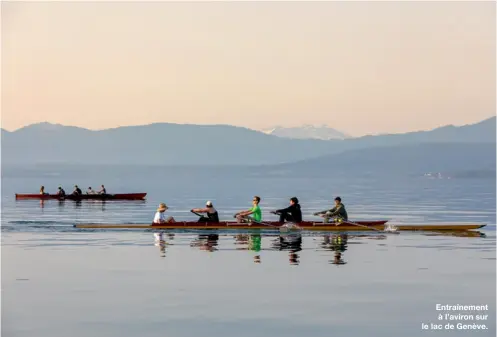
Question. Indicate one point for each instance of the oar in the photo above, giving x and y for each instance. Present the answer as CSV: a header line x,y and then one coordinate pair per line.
x,y
260,223
200,215
359,225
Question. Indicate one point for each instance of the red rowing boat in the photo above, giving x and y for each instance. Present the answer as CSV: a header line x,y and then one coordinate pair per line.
x,y
122,196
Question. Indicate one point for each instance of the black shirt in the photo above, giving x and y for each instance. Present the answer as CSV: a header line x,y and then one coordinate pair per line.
x,y
213,217
294,211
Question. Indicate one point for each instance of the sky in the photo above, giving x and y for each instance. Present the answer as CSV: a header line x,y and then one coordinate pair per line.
x,y
359,67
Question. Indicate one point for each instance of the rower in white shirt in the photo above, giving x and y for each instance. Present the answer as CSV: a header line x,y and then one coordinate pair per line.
x,y
90,191
160,216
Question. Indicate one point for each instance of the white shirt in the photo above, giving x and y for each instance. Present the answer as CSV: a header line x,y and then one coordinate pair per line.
x,y
160,217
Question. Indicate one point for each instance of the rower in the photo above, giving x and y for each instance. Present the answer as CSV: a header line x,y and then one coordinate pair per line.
x,y
211,214
338,212
90,191
292,213
160,217
77,190
102,190
255,211
42,190
61,192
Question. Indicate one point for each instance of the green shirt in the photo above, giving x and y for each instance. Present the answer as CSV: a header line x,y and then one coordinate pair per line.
x,y
256,213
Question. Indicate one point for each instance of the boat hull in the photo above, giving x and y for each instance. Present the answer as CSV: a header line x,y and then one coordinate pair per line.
x,y
309,226
122,196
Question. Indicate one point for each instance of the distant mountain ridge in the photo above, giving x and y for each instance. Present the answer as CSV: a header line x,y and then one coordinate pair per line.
x,y
453,159
322,132
185,144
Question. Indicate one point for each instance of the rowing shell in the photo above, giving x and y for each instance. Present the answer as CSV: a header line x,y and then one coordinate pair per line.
x,y
122,196
310,226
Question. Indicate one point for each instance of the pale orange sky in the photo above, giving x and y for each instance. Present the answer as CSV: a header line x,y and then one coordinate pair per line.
x,y
361,67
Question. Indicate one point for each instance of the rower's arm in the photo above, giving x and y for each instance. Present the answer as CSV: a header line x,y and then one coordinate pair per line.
x,y
284,210
333,210
247,212
200,210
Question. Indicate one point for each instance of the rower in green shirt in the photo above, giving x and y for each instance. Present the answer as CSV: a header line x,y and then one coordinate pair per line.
x,y
255,211
338,213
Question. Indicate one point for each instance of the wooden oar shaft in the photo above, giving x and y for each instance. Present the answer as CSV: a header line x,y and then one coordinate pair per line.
x,y
259,223
355,224
359,225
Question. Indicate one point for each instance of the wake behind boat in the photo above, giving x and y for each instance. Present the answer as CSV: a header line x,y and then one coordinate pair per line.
x,y
118,196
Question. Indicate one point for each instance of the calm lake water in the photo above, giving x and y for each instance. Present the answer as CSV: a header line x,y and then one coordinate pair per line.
x,y
61,281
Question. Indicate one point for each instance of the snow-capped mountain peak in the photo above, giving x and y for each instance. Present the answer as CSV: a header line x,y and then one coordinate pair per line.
x,y
307,132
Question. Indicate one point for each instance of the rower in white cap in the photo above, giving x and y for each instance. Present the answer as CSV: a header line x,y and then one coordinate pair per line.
x,y
211,214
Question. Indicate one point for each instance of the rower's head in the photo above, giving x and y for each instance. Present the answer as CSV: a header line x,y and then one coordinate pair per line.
x,y
89,188
42,188
294,201
338,201
75,186
102,186
208,204
162,207
256,200
60,187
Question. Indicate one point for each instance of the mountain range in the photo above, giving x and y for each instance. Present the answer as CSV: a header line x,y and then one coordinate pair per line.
x,y
210,145
451,159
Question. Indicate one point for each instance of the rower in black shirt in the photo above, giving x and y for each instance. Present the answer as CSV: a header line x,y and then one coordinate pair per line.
x,y
211,214
292,213
61,193
77,190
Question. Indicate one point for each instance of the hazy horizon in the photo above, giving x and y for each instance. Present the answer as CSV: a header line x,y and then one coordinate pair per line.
x,y
359,67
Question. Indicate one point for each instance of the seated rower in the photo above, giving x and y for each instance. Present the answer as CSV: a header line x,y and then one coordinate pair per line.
x,y
90,191
338,213
77,190
255,211
292,213
42,190
160,217
102,190
61,192
211,214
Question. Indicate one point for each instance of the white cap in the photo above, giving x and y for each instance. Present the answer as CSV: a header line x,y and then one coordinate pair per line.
x,y
208,203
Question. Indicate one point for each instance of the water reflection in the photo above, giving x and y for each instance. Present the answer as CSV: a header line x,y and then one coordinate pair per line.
x,y
88,204
160,241
291,243
208,242
255,244
336,243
